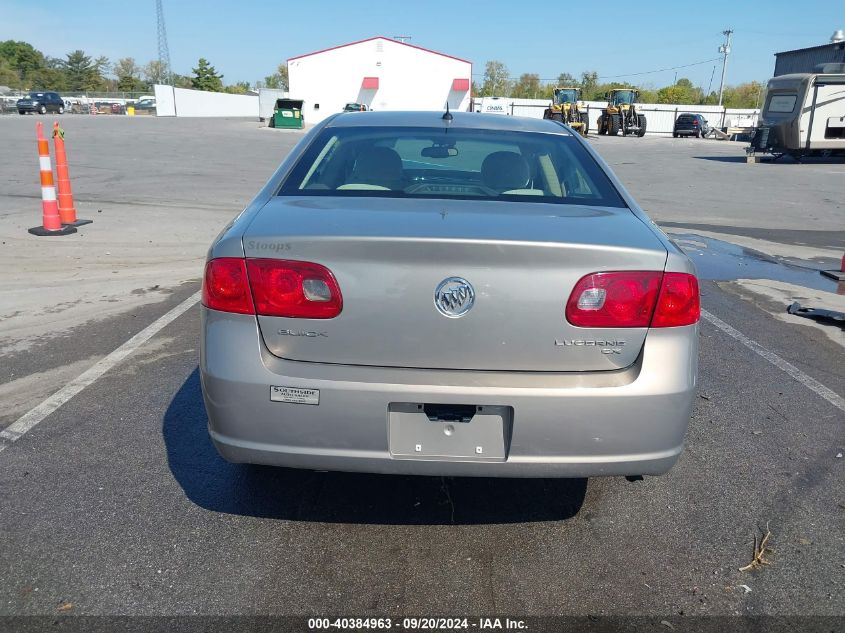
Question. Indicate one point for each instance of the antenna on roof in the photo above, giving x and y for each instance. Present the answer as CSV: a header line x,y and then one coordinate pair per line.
x,y
447,116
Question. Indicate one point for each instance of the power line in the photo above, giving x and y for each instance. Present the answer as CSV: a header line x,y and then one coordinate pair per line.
x,y
645,72
660,70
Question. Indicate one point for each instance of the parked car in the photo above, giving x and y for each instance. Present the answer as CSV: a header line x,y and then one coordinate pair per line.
x,y
690,125
355,107
145,105
461,294
41,102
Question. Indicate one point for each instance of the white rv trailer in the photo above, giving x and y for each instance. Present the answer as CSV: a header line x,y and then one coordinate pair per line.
x,y
804,114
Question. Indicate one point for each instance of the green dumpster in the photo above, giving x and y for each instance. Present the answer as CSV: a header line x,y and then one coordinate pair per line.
x,y
287,113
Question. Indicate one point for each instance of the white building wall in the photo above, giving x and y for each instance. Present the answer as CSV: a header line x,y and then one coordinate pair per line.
x,y
409,79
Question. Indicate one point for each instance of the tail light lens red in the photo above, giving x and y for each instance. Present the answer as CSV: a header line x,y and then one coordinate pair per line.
x,y
287,288
272,287
626,299
225,286
679,302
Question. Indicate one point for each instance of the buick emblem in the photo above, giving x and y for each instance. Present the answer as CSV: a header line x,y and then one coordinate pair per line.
x,y
454,297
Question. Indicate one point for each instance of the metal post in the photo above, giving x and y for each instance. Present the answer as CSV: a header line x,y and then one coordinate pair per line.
x,y
725,49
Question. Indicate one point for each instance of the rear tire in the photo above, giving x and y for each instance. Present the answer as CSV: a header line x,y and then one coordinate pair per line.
x,y
557,116
585,119
674,135
614,125
61,110
641,124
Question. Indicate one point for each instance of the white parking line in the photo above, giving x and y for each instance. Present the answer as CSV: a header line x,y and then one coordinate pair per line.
x,y
28,420
808,381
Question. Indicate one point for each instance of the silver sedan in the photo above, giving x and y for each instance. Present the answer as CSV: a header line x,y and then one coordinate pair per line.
x,y
448,294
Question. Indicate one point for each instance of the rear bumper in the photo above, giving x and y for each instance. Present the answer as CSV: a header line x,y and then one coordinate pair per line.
x,y
626,422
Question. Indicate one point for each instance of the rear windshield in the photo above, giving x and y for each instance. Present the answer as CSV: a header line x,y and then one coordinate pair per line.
x,y
450,163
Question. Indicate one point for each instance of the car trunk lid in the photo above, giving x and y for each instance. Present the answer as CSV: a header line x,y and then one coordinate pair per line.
x,y
389,256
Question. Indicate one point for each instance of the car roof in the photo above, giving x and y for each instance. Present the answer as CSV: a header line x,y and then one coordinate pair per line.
x,y
465,120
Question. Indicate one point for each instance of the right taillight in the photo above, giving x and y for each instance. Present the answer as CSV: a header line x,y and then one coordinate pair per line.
x,y
679,302
627,299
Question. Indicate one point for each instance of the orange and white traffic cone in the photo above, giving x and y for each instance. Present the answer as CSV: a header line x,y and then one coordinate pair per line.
x,y
67,212
51,223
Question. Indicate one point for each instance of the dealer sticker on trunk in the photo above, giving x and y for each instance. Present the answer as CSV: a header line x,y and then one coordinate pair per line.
x,y
295,395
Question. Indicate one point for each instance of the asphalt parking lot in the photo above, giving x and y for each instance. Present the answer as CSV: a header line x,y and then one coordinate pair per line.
x,y
115,502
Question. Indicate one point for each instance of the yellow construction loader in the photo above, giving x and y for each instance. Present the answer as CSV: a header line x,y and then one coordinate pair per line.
x,y
621,114
565,108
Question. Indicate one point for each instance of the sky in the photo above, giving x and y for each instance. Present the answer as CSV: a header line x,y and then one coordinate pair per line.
x,y
246,40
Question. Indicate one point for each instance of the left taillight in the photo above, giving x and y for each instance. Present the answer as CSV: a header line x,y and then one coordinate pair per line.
x,y
271,287
225,286
288,288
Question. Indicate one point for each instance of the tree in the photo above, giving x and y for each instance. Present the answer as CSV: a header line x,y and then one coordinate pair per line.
x,y
239,88
565,80
128,75
206,77
155,72
527,87
102,65
746,95
683,92
279,79
181,81
126,67
589,85
22,58
496,80
8,75
81,74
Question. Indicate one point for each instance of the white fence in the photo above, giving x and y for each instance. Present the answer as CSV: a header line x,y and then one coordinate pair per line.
x,y
182,102
660,116
267,101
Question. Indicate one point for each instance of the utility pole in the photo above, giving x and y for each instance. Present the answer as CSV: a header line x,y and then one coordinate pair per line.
x,y
725,49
